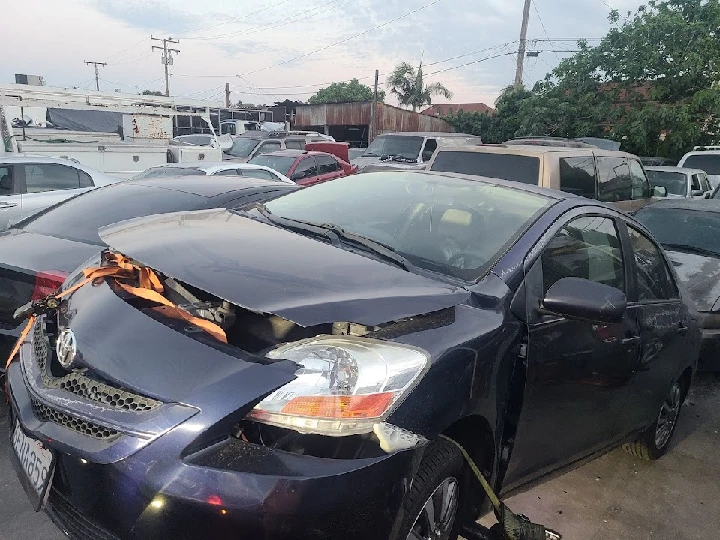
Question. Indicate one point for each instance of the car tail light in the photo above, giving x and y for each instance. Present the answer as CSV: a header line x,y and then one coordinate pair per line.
x,y
345,384
47,283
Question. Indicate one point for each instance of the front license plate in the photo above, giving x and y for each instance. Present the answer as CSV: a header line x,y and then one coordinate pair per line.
x,y
36,461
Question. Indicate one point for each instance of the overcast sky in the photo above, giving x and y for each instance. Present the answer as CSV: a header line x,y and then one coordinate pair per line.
x,y
269,50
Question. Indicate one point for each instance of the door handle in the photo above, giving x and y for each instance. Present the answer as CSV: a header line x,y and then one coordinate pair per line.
x,y
4,205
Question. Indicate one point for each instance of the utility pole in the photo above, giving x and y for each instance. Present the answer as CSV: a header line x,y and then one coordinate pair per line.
x,y
373,110
167,59
521,49
227,95
97,77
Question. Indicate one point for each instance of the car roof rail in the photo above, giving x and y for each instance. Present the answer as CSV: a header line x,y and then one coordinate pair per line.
x,y
703,148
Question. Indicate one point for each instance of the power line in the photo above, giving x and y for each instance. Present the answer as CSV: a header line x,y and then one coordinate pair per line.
x,y
233,19
132,59
344,40
167,58
542,24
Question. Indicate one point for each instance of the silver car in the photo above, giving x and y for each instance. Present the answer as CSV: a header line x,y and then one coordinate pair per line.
x,y
223,168
680,181
29,184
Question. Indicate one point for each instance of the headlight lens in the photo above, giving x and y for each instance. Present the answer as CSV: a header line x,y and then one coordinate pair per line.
x,y
345,384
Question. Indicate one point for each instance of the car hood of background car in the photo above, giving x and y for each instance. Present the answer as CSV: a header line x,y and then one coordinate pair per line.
x,y
700,276
267,269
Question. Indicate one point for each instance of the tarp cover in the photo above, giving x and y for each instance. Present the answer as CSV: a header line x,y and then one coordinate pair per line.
x,y
92,121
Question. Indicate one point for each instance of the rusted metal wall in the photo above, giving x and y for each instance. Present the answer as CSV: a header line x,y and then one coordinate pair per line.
x,y
389,118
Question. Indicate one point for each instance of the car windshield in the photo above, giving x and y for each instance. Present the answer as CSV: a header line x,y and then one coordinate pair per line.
x,y
693,229
454,226
674,182
156,172
280,164
80,218
242,147
518,168
395,145
710,163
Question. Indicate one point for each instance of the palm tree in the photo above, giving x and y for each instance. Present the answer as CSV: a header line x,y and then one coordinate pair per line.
x,y
407,84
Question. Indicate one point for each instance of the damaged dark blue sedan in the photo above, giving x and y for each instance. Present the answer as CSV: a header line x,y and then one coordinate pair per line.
x,y
287,371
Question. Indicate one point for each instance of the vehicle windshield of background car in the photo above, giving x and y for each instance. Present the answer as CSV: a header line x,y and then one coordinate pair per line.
x,y
407,147
280,164
242,147
453,226
80,218
674,227
518,168
156,172
674,182
710,163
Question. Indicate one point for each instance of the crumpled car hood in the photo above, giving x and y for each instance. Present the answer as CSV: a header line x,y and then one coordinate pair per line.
x,y
267,269
700,275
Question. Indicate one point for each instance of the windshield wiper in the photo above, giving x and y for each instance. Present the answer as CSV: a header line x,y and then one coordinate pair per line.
x,y
694,249
292,224
375,247
398,157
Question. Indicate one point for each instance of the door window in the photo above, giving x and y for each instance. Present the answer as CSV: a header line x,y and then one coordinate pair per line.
x,y
50,177
259,173
269,146
6,181
639,182
295,144
228,172
430,147
587,247
577,175
654,281
613,179
305,169
695,183
85,180
327,164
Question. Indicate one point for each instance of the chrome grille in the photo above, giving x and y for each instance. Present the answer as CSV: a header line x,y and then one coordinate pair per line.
x,y
81,385
96,431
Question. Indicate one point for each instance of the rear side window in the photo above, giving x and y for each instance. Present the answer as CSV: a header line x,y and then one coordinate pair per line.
x,y
613,179
695,183
6,180
639,183
577,176
259,173
85,180
269,146
295,144
587,247
653,277
525,169
50,177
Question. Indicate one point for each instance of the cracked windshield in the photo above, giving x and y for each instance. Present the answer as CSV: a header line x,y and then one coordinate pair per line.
x,y
452,270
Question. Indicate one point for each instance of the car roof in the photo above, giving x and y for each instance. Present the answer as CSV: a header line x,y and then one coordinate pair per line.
x,y
673,169
698,205
289,152
534,150
430,134
209,165
210,186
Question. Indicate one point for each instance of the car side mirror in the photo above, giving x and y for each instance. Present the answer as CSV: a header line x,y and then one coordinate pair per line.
x,y
577,298
659,191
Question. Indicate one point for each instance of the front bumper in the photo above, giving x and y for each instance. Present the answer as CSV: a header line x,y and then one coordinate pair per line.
x,y
710,350
268,494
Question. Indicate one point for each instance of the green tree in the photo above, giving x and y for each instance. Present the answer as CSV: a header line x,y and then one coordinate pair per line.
x,y
408,85
345,92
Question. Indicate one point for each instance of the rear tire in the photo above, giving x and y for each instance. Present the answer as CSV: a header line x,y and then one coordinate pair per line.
x,y
431,508
654,442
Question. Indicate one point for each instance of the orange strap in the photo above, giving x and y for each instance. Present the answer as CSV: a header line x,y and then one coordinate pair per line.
x,y
150,288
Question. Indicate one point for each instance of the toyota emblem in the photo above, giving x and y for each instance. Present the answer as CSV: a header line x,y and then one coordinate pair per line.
x,y
66,348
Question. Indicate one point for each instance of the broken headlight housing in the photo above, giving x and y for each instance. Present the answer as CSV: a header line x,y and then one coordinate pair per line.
x,y
345,384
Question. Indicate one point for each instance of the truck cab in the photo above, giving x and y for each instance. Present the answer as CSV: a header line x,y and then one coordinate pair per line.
x,y
238,127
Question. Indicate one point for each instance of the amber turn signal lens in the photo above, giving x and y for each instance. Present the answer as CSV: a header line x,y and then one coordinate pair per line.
x,y
366,406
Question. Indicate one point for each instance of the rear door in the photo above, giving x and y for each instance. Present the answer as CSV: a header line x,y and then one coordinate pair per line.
x,y
328,168
50,183
666,344
578,372
305,172
10,195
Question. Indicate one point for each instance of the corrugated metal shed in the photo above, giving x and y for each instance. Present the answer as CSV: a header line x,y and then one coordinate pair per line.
x,y
389,118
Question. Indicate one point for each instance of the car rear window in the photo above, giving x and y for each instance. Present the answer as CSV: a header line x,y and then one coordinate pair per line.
x,y
710,163
80,218
280,164
577,176
525,169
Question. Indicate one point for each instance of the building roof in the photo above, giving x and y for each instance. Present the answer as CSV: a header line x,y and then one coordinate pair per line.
x,y
444,109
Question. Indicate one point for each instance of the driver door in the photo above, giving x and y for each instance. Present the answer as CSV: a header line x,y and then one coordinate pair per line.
x,y
578,372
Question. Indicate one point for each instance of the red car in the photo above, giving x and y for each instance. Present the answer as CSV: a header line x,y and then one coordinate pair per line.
x,y
305,167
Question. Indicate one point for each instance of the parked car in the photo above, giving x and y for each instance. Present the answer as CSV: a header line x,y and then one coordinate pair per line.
x,y
249,145
37,254
689,231
606,175
30,183
223,168
705,158
408,150
680,182
305,167
336,332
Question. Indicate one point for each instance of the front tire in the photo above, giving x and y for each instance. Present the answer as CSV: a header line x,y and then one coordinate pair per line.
x,y
654,443
431,507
